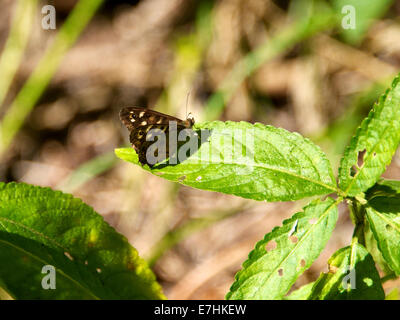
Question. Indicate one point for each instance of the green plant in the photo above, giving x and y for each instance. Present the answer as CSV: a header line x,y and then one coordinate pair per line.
x,y
40,227
285,166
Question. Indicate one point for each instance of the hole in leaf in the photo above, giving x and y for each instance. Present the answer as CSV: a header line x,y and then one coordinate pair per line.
x,y
312,220
360,162
293,239
280,272
198,178
181,179
98,270
271,245
353,170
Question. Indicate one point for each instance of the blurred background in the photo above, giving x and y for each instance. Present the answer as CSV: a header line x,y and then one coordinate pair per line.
x,y
302,65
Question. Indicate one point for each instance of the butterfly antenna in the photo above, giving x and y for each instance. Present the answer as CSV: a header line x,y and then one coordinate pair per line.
x,y
187,101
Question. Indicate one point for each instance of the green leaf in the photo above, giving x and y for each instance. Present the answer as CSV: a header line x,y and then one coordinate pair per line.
x,y
352,276
269,272
384,187
383,214
13,50
39,227
372,246
251,161
366,11
302,293
378,136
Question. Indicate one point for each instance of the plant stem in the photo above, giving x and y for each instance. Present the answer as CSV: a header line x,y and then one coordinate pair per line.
x,y
16,43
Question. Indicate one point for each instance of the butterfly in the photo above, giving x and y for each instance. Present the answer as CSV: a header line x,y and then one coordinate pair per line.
x,y
140,121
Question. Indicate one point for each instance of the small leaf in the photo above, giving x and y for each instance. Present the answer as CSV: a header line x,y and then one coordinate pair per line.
x,y
269,273
251,161
373,145
352,276
383,214
40,227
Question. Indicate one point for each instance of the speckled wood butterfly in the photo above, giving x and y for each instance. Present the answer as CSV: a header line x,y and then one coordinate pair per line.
x,y
141,122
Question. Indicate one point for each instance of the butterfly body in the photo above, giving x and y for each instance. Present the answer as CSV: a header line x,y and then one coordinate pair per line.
x,y
141,121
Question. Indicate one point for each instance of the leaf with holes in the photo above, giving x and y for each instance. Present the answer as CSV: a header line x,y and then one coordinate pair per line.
x,y
41,227
352,276
383,214
373,145
284,253
383,188
372,246
252,161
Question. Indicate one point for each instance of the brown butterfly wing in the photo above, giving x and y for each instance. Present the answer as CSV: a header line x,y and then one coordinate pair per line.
x,y
140,121
134,117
